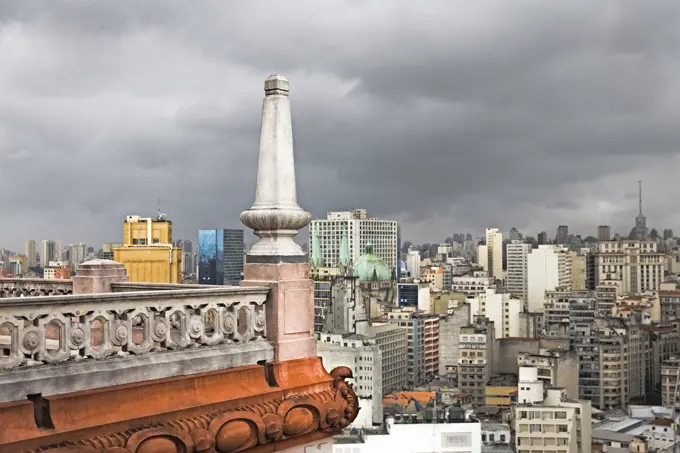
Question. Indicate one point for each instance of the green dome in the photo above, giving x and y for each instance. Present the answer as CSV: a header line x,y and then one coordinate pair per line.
x,y
370,268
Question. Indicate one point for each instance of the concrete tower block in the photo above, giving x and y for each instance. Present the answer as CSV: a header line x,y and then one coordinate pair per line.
x,y
276,260
96,276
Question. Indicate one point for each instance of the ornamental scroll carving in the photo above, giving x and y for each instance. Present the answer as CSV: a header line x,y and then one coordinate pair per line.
x,y
33,333
240,430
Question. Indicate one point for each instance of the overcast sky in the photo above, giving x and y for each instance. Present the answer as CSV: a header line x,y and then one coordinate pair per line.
x,y
446,115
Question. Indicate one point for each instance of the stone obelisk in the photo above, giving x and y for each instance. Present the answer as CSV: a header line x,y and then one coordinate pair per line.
x,y
275,217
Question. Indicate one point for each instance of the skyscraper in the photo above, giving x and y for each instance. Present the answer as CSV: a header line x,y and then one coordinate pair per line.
x,y
604,233
233,256
30,253
490,255
48,251
220,256
562,235
516,281
542,238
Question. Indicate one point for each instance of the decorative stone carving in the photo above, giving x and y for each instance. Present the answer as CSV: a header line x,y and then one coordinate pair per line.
x,y
290,417
32,287
345,391
275,215
83,327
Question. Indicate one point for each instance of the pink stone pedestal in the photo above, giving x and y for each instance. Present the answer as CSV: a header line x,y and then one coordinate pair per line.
x,y
96,276
290,307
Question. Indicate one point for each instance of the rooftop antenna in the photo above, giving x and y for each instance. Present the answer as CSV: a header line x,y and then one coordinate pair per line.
x,y
160,216
640,195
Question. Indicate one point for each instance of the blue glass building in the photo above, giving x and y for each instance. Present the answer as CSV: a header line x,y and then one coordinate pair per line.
x,y
220,256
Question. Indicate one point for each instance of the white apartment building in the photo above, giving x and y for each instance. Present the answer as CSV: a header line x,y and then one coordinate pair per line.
x,y
363,356
465,437
393,343
546,420
548,268
413,263
471,286
360,229
501,308
636,264
490,255
516,260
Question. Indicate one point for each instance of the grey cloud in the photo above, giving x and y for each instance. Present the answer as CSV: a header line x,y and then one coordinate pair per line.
x,y
461,115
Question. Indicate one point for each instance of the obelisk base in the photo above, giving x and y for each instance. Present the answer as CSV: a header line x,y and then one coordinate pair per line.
x,y
290,307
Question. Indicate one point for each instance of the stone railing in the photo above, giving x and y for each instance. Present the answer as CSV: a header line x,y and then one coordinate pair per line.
x,y
95,326
26,287
126,287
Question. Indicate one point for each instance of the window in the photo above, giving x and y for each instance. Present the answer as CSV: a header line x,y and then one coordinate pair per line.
x,y
156,240
562,428
135,241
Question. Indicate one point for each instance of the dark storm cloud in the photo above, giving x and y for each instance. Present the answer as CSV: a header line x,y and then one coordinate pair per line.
x,y
445,115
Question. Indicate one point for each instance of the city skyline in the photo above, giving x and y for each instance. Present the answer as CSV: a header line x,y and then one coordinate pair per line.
x,y
468,123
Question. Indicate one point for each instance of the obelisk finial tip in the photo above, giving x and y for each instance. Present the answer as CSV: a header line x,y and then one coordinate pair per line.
x,y
276,85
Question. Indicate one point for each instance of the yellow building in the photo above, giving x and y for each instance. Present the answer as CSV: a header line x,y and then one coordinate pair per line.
x,y
147,252
501,390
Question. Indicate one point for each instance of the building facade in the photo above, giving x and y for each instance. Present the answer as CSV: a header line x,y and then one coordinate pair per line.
x,y
220,257
31,253
547,420
422,330
476,359
361,230
548,268
636,264
48,251
490,255
516,259
148,253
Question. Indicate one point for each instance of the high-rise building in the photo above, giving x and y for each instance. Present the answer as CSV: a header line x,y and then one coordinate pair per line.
x,y
77,253
548,268
542,238
667,233
475,358
220,257
604,233
107,250
30,253
147,252
361,230
423,343
48,251
516,280
502,309
413,263
562,237
636,264
364,355
545,419
490,255
514,234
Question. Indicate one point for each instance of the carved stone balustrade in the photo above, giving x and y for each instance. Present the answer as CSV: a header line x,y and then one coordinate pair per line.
x,y
27,287
50,330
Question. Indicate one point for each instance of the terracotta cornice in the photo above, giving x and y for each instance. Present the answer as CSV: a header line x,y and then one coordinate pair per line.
x,y
250,409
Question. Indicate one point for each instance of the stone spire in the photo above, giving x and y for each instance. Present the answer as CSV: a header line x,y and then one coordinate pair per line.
x,y
316,251
344,250
276,216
